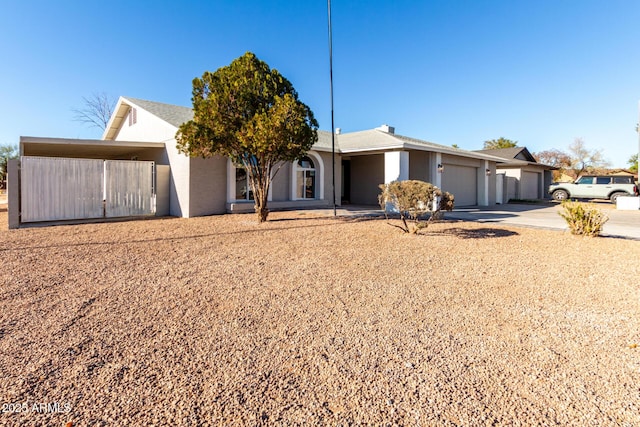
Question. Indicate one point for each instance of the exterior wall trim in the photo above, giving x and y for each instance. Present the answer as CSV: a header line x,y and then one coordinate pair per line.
x,y
319,178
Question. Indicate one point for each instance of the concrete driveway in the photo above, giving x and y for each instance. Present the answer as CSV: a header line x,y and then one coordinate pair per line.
x,y
621,223
624,224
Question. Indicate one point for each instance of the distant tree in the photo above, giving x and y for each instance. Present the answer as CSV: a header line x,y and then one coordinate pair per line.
x,y
7,152
250,113
494,144
633,163
584,160
556,158
455,146
96,111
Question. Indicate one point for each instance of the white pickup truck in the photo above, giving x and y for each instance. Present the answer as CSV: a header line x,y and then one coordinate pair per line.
x,y
594,187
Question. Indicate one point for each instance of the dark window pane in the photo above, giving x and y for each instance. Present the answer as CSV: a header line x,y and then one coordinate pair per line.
x,y
586,180
306,163
243,189
622,180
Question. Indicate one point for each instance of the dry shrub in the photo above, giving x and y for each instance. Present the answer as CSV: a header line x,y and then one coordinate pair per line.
x,y
583,219
413,200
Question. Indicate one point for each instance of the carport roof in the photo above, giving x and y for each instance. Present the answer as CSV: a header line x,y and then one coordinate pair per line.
x,y
84,148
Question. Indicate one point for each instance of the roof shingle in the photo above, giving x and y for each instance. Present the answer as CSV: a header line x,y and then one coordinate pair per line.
x,y
173,114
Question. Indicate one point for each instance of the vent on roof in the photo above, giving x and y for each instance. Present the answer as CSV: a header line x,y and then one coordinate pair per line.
x,y
387,129
133,116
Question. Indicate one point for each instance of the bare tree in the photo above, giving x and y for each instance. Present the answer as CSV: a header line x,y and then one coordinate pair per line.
x,y
585,160
96,111
556,158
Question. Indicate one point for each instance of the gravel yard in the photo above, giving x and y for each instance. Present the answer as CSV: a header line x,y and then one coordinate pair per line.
x,y
310,320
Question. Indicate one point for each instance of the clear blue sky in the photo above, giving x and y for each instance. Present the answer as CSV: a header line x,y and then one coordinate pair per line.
x,y
541,72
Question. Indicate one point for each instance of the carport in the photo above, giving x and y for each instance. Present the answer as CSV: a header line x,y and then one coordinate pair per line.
x,y
58,179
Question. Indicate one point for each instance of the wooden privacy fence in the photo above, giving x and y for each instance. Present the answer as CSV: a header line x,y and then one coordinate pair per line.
x,y
54,189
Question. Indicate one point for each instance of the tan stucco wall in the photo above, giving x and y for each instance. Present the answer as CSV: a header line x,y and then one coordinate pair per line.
x,y
492,184
419,165
281,185
367,172
461,161
326,160
179,190
208,186
159,156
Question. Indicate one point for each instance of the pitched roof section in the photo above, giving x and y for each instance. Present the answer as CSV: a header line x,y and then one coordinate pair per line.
x,y
379,140
368,140
175,115
373,140
516,156
517,153
324,141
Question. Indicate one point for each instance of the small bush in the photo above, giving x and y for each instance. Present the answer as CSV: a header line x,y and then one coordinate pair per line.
x,y
583,220
413,200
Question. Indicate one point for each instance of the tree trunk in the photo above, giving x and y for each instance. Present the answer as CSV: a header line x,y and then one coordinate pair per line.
x,y
261,198
260,179
262,212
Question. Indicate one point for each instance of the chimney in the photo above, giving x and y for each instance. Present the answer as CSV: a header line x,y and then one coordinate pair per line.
x,y
338,130
387,129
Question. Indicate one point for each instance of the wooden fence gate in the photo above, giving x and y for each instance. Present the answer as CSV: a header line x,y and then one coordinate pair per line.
x,y
54,189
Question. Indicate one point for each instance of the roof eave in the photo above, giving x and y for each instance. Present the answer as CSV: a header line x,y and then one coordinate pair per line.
x,y
115,122
362,150
462,153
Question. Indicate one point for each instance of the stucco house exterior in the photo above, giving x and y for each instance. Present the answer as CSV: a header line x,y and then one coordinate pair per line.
x,y
523,177
143,132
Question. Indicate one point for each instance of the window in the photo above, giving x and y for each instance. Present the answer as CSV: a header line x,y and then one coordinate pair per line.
x,y
603,180
585,180
305,179
243,186
623,180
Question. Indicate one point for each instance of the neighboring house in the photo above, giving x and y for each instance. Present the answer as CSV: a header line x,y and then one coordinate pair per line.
x,y
138,152
523,178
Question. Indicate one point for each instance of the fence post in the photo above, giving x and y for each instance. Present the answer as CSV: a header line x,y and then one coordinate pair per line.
x,y
13,192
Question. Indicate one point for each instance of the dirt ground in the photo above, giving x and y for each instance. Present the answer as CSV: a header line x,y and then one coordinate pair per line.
x,y
310,320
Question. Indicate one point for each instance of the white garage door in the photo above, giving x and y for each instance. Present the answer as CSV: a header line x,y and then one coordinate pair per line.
x,y
529,184
462,182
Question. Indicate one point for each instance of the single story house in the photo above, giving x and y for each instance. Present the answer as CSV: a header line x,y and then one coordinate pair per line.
x,y
136,169
522,177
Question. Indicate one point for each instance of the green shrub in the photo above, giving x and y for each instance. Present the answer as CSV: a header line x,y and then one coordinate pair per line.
x,y
583,220
413,200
